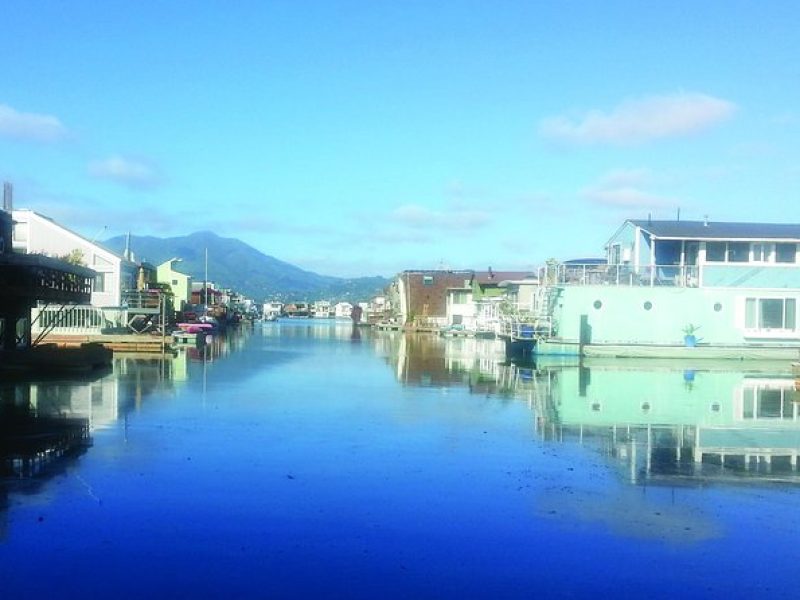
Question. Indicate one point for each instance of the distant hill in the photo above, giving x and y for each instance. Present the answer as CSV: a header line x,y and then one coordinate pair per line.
x,y
236,265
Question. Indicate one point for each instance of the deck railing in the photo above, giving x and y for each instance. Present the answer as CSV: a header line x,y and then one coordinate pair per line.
x,y
75,320
138,299
622,275
522,328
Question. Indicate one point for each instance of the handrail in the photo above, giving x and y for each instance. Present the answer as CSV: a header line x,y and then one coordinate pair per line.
x,y
620,275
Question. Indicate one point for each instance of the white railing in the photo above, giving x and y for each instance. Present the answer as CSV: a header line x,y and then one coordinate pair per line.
x,y
622,275
75,320
521,328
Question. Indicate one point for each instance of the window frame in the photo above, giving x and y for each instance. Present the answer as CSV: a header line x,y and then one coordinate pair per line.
x,y
754,316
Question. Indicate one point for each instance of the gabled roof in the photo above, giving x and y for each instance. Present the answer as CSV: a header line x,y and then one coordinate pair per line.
x,y
53,223
710,230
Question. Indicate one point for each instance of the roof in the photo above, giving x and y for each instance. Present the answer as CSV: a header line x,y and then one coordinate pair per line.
x,y
488,277
586,261
54,223
710,230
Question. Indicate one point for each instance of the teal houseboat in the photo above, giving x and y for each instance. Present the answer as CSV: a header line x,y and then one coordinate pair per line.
x,y
677,289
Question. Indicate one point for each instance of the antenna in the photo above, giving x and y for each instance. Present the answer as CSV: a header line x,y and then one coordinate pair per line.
x,y
679,214
98,234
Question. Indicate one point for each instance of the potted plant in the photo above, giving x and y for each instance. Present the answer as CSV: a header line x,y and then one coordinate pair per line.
x,y
689,337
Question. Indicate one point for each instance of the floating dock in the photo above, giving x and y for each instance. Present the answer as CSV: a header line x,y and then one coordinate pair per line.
x,y
116,343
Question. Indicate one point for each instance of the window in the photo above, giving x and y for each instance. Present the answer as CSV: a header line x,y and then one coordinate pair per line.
x,y
99,283
742,252
770,313
715,251
738,252
767,403
20,232
174,282
427,280
785,253
460,297
762,252
615,254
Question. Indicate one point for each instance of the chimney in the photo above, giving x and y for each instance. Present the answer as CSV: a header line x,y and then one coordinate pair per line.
x,y
705,220
8,197
491,275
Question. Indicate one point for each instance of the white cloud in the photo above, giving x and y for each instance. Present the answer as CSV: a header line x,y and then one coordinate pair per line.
x,y
627,197
624,188
30,127
130,173
454,218
640,120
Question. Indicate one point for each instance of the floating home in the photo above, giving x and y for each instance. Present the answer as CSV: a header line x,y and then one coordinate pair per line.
x,y
678,289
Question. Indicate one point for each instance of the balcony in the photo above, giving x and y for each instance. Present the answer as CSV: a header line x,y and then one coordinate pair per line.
x,y
620,275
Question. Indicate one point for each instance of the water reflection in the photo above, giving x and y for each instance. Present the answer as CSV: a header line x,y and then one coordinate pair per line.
x,y
667,422
46,422
437,361
660,421
422,465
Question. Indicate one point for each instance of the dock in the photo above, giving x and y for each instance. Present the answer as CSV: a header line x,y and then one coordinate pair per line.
x,y
116,343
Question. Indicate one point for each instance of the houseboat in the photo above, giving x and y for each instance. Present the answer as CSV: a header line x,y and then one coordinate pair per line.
x,y
321,309
674,289
343,310
272,310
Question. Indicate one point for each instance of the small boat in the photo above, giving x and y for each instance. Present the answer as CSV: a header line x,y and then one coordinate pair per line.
x,y
196,327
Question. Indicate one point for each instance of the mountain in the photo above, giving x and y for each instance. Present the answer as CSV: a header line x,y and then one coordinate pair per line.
x,y
236,265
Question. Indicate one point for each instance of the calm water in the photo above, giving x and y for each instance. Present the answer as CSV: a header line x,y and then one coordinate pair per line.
x,y
302,459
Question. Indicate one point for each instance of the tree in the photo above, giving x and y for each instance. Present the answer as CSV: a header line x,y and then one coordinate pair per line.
x,y
74,257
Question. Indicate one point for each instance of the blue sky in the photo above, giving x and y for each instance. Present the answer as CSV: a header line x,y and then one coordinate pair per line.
x,y
364,138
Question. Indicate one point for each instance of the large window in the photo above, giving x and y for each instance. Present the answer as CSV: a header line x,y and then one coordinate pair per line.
x,y
742,252
715,251
785,253
99,283
762,252
20,232
460,297
768,403
738,252
770,313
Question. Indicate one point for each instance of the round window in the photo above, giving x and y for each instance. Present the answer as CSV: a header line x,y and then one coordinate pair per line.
x,y
648,305
717,307
597,304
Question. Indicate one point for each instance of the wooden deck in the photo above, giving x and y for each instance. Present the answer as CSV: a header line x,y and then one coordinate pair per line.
x,y
117,343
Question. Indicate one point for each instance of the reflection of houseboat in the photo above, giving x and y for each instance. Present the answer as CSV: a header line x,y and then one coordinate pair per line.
x,y
663,420
735,286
